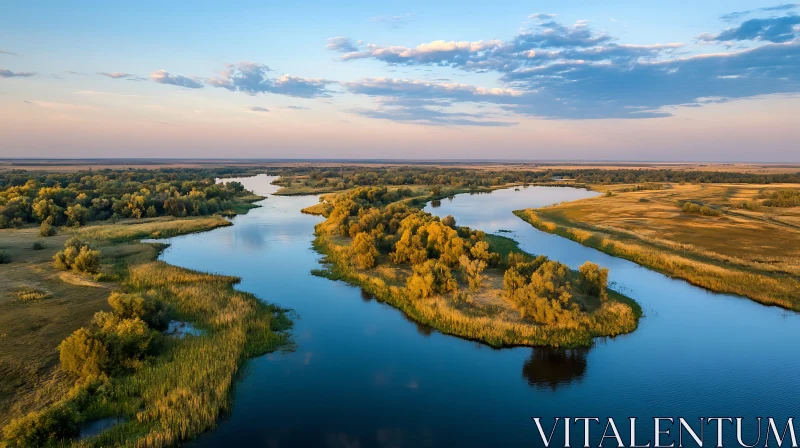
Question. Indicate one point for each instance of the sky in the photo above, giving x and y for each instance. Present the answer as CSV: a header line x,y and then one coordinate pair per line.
x,y
715,81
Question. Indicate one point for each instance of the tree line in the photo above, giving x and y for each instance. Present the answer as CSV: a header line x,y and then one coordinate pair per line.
x,y
73,199
347,177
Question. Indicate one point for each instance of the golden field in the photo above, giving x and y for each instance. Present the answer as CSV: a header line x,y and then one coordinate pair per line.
x,y
748,249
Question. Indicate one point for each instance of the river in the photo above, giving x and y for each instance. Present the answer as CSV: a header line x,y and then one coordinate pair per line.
x,y
363,375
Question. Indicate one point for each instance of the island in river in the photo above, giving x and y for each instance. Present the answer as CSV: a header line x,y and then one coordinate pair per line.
x,y
461,281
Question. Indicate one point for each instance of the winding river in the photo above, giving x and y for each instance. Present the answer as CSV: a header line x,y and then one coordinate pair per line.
x,y
362,375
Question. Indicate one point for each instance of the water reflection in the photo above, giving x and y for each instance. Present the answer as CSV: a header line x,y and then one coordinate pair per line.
x,y
551,368
373,380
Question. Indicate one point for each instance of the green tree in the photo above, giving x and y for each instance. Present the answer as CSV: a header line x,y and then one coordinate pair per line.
x,y
83,354
77,215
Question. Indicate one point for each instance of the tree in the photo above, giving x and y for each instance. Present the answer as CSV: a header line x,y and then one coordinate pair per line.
x,y
480,251
472,269
77,215
364,251
431,277
594,280
449,221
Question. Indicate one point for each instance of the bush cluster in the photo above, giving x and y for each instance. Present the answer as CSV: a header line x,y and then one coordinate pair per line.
x,y
697,209
786,197
115,341
78,256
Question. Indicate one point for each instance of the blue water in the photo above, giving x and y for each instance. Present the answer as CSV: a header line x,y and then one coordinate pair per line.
x,y
363,375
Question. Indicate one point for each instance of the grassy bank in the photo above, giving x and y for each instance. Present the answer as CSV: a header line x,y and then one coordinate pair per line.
x,y
741,247
176,391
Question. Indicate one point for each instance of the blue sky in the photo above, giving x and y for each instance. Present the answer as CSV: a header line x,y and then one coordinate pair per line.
x,y
712,81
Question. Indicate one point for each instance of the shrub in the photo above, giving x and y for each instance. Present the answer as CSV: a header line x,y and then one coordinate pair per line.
x,y
59,422
47,229
148,309
783,198
78,256
691,207
83,354
27,294
110,345
5,257
87,260
38,245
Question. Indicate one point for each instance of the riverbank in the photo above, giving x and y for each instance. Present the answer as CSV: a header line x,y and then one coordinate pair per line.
x,y
485,310
181,385
738,246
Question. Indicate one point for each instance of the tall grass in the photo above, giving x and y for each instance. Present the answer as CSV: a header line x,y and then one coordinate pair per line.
x,y
160,228
183,390
768,288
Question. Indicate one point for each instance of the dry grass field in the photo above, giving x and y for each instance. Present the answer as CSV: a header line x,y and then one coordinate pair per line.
x,y
33,324
747,249
40,305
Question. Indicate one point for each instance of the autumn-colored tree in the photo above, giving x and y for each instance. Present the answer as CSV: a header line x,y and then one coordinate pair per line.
x,y
363,250
472,270
594,280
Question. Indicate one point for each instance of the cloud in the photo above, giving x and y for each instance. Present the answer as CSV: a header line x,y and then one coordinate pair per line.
x,y
544,41
556,71
10,53
394,22
117,75
341,44
573,89
297,108
70,72
252,78
424,90
437,52
423,102
5,73
734,16
541,16
164,77
259,109
427,116
776,29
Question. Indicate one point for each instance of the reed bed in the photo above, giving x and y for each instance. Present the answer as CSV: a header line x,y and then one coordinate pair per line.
x,y
159,228
180,391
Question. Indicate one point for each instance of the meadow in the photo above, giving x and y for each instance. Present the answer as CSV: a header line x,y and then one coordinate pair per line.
x,y
739,246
